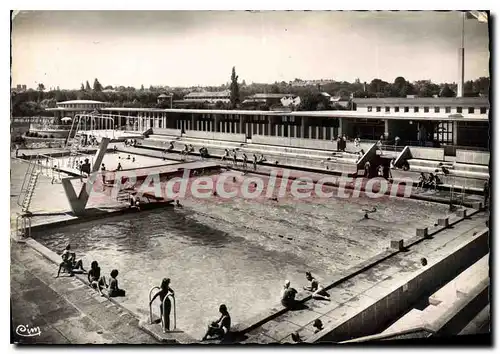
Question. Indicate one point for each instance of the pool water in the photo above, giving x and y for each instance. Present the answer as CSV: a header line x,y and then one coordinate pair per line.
x,y
230,251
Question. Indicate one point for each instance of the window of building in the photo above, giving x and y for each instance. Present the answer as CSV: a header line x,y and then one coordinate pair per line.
x,y
447,109
378,109
426,109
387,109
471,110
407,109
436,109
415,109
459,109
482,110
396,109
369,108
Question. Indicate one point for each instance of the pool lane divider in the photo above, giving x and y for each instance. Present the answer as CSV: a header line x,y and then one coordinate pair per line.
x,y
344,275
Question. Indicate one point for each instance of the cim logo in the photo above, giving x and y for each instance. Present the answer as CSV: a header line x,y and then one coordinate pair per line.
x,y
27,331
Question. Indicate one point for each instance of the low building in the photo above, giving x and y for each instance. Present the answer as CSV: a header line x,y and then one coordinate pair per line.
x,y
71,108
208,97
271,99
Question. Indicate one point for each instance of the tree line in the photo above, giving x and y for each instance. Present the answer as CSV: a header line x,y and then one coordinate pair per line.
x,y
33,102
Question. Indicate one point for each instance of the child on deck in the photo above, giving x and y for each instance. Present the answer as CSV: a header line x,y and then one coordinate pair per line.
x,y
113,290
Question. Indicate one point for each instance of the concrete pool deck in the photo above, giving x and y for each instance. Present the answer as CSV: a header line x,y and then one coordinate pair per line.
x,y
64,309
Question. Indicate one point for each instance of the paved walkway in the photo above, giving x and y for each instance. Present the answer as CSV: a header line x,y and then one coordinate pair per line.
x,y
65,310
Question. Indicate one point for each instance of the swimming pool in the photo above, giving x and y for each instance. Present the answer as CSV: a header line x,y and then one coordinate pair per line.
x,y
229,251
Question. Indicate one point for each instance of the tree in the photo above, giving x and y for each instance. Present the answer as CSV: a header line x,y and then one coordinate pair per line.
x,y
142,87
446,91
40,87
399,87
97,85
82,88
87,86
235,89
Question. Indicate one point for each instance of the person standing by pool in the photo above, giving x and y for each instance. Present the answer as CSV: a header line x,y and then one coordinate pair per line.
x,y
254,162
245,160
234,158
220,328
165,291
103,172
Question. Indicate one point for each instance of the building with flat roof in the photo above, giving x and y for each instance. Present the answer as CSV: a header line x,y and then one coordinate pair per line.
x,y
437,121
73,107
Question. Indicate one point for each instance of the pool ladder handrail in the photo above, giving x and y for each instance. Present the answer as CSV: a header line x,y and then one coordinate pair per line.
x,y
163,307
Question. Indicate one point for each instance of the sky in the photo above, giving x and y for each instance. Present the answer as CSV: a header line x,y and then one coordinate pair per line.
x,y
190,48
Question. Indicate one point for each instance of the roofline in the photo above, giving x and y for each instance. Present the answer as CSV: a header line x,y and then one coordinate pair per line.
x,y
322,114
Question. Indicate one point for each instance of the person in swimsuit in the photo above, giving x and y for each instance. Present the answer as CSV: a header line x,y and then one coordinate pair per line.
x,y
245,159
113,289
235,162
318,325
288,295
95,279
254,162
318,292
165,290
220,328
69,262
226,155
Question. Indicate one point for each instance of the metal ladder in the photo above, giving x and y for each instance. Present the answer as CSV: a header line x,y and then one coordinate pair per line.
x,y
457,195
163,307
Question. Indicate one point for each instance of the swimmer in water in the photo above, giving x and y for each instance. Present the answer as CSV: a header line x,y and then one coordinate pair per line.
x,y
369,211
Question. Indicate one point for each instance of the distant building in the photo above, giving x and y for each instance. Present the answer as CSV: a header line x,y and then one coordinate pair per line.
x,y
283,99
71,108
19,88
208,97
165,98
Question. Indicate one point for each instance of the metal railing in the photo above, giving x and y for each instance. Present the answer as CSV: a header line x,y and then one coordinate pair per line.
x,y
163,309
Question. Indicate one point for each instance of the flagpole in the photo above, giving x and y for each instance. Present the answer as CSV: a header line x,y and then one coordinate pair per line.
x,y
461,61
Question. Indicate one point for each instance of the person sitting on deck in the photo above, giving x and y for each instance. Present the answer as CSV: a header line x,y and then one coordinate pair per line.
x,y
288,295
422,180
296,337
133,158
128,157
431,181
69,262
220,328
191,148
163,293
262,158
171,146
115,148
436,181
406,166
318,325
113,289
119,167
356,142
226,155
392,164
95,279
318,292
